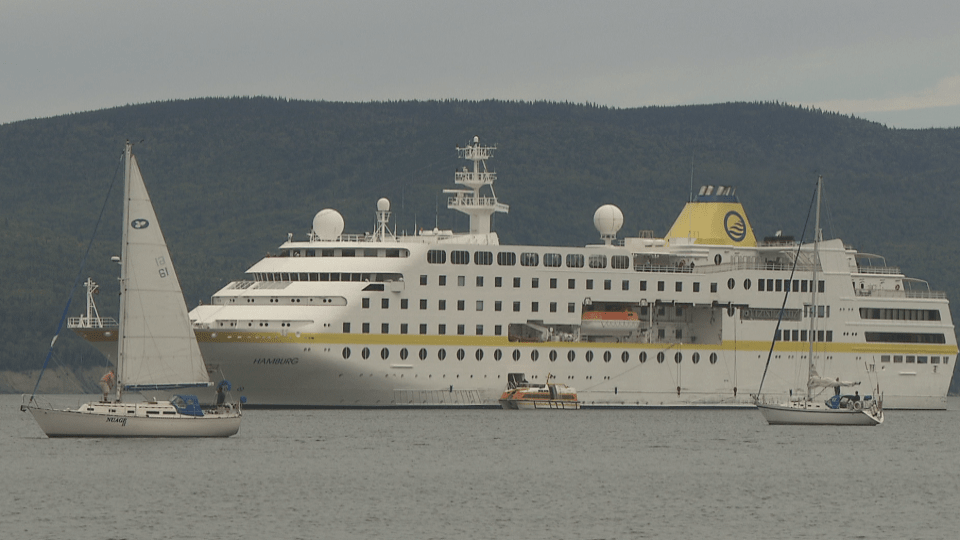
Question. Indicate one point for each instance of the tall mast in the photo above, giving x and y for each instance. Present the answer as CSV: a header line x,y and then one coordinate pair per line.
x,y
469,200
816,266
127,172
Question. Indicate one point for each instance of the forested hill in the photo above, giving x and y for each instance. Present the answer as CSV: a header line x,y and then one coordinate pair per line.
x,y
230,177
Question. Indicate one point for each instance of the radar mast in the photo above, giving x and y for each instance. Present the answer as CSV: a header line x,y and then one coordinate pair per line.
x,y
469,200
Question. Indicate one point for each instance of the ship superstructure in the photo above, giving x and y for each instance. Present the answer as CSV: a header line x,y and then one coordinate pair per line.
x,y
441,318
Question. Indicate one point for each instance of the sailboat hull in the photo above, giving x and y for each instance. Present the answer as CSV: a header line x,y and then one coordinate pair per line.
x,y
133,420
798,413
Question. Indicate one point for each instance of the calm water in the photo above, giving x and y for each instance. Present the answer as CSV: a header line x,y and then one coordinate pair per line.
x,y
490,474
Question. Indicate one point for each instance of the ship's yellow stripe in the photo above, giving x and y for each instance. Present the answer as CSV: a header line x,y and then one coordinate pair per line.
x,y
502,341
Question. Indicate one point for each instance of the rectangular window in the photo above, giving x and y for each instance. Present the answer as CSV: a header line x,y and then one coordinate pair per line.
x,y
497,330
365,328
661,286
441,305
934,359
804,285
713,287
696,286
820,286
911,359
884,358
461,281
479,329
442,329
516,283
442,281
678,286
479,305
571,307
921,359
760,285
661,333
516,306
423,303
535,283
479,281
679,333
403,303
365,303
829,335
897,359
498,282
535,306
769,285
589,284
643,285
625,285
571,283
796,335
423,280
498,305
779,284
385,328
461,305
423,329
460,329
384,303
346,328
607,285
553,307
553,283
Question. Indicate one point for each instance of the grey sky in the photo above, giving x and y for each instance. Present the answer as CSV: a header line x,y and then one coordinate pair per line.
x,y
893,62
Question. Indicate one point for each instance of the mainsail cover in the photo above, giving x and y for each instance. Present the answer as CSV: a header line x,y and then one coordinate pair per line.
x,y
159,348
816,381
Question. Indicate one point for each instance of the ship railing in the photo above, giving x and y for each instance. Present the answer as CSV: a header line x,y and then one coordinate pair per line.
x,y
884,270
886,293
92,322
724,267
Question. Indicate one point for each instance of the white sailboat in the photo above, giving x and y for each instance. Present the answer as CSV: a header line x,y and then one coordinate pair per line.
x,y
839,410
158,350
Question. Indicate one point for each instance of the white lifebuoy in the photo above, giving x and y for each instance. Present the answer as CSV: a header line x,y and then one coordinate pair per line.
x,y
857,405
898,287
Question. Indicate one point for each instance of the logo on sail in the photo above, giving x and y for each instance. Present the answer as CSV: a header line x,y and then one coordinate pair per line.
x,y
735,226
140,224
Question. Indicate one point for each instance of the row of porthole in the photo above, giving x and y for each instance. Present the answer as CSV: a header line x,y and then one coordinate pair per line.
x,y
534,355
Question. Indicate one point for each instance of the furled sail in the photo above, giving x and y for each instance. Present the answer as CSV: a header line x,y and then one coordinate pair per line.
x,y
158,348
816,381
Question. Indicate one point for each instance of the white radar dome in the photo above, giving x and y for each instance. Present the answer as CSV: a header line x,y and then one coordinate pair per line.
x,y
383,205
327,224
608,219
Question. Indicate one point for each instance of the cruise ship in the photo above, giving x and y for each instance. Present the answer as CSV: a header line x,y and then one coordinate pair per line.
x,y
442,318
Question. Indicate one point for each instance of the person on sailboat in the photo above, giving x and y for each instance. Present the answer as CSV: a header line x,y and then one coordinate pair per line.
x,y
107,383
836,389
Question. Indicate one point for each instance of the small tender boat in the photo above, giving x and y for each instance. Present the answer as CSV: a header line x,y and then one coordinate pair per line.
x,y
521,394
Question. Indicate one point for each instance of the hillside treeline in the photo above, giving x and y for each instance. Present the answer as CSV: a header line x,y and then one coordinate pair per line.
x,y
231,177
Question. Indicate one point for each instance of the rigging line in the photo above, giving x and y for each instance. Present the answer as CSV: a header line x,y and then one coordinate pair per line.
x,y
796,260
76,281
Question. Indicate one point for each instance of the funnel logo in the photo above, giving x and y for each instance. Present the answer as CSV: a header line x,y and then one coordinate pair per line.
x,y
735,226
143,224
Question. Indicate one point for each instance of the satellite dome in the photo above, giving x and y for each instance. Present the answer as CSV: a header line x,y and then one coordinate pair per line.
x,y
383,205
327,224
608,219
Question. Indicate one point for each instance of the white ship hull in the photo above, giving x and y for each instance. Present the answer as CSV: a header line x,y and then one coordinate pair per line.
x,y
132,420
797,415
